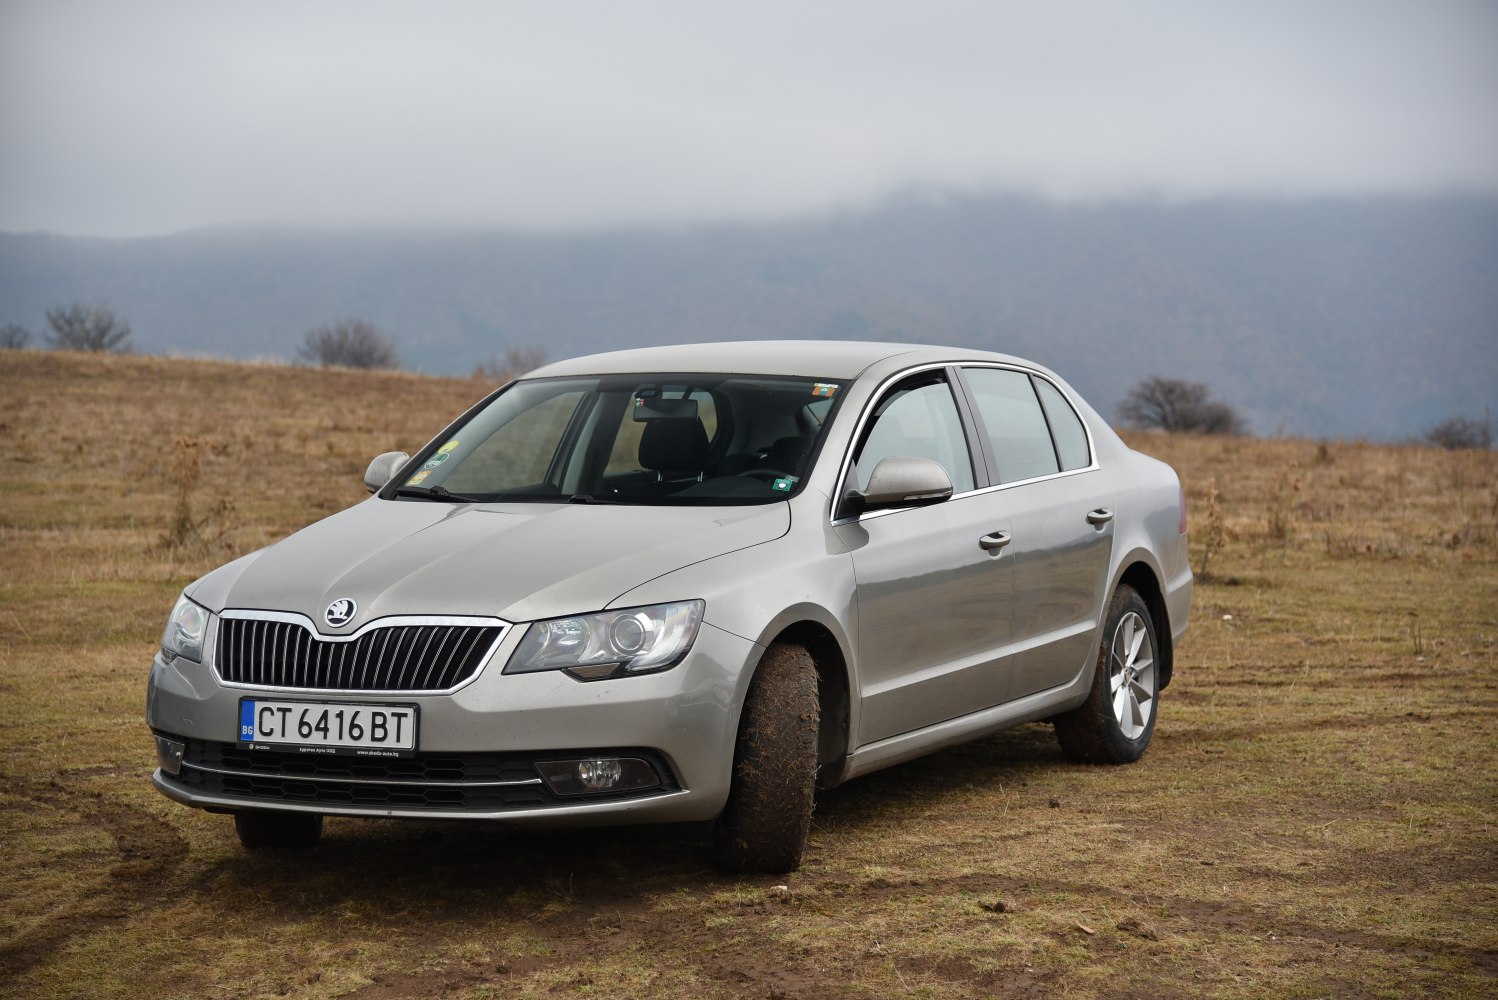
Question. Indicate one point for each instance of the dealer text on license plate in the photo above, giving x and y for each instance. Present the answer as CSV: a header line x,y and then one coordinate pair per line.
x,y
326,727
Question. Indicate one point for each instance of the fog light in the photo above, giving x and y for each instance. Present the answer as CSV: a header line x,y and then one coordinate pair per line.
x,y
600,774
597,774
169,754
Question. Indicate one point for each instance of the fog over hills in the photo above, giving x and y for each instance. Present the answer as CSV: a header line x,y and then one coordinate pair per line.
x,y
1360,318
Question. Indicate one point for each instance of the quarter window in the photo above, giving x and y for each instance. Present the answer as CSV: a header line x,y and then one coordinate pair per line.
x,y
1016,426
1066,427
917,419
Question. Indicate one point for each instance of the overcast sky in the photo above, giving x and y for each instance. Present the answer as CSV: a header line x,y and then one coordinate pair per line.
x,y
151,117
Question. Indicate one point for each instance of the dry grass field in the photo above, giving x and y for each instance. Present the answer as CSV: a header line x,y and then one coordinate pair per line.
x,y
1316,816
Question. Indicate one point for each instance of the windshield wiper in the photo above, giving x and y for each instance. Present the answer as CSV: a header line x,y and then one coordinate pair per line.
x,y
587,498
437,493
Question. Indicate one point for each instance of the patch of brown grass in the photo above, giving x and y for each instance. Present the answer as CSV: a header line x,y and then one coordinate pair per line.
x,y
1315,816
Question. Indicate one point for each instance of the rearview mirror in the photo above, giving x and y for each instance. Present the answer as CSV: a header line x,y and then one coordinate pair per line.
x,y
903,481
383,469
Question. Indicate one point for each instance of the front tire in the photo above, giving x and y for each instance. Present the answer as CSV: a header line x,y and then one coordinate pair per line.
x,y
260,830
1114,724
765,823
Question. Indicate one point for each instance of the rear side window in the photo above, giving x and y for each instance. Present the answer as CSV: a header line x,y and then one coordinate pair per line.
x,y
1066,427
1016,426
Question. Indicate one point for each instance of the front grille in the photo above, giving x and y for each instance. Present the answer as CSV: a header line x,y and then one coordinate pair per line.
x,y
405,657
434,781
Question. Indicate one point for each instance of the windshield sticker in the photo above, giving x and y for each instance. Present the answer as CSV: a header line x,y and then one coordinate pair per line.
x,y
436,460
784,484
418,479
448,447
824,389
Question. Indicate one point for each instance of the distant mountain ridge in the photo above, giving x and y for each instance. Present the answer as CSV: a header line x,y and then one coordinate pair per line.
x,y
1360,318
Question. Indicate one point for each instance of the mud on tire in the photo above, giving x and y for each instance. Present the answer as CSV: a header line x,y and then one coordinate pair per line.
x,y
1114,724
764,825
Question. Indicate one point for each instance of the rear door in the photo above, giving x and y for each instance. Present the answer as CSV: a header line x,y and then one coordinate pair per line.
x,y
1060,510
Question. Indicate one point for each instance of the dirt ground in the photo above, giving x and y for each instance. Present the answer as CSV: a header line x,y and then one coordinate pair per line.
x,y
1315,817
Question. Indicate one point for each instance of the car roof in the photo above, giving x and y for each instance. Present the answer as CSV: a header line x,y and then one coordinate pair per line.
x,y
821,358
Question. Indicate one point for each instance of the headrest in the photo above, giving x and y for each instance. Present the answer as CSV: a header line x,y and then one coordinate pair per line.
x,y
674,446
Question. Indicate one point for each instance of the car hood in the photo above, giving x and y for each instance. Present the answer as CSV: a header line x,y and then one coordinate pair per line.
x,y
519,562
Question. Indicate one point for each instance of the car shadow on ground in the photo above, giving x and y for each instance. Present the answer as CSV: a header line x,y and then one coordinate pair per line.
x,y
387,872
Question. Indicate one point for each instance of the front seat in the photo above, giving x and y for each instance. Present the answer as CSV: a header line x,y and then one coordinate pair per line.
x,y
674,449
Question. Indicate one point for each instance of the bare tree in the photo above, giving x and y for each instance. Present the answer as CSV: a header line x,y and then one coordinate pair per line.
x,y
14,335
1172,404
1458,433
349,343
516,362
87,328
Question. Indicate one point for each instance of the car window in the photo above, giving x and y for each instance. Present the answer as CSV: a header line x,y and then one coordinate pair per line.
x,y
516,454
625,455
917,418
631,439
1015,425
1066,427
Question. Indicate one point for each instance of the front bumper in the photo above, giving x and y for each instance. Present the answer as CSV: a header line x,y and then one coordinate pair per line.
x,y
478,745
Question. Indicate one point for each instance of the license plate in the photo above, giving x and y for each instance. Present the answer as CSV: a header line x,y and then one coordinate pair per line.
x,y
328,727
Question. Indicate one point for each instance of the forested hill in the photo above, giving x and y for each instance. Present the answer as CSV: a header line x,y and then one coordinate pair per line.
x,y
1366,318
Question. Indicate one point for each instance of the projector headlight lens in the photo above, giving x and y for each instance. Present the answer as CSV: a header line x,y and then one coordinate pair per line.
x,y
610,643
184,631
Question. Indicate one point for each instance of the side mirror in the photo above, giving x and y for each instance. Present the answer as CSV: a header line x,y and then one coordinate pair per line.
x,y
383,469
906,482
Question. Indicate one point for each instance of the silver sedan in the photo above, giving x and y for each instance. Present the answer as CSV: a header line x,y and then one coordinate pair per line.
x,y
685,584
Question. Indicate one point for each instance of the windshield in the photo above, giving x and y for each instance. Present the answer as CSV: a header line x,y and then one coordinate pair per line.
x,y
637,439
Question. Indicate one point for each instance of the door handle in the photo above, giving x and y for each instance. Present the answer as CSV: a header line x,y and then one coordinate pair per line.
x,y
995,541
1099,517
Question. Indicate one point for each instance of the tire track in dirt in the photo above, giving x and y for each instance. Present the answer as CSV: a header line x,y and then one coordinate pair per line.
x,y
145,848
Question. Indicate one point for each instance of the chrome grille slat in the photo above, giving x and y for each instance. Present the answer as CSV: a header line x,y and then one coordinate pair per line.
x,y
441,646
431,631
471,644
302,666
395,655
256,643
286,660
384,645
242,657
408,655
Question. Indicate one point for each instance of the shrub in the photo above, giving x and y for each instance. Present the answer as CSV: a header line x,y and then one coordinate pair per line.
x,y
87,328
349,343
1172,404
516,362
13,336
1459,433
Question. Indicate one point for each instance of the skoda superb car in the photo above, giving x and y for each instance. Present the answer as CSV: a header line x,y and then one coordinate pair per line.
x,y
686,583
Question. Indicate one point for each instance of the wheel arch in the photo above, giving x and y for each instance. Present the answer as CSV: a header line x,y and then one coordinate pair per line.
x,y
1145,580
834,691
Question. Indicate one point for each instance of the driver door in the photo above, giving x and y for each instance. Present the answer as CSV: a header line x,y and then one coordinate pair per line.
x,y
933,602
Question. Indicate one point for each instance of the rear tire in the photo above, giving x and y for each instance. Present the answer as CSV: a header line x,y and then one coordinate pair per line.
x,y
260,830
1114,724
765,823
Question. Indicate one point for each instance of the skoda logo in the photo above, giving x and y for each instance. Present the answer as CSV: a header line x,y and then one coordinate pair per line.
x,y
340,612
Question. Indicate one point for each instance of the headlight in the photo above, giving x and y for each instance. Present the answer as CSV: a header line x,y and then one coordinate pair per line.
x,y
184,631
610,643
